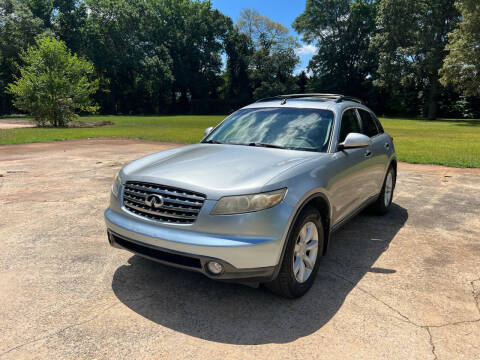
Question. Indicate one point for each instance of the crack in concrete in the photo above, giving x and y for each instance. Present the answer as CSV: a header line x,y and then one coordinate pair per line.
x,y
407,319
432,345
404,317
476,297
16,347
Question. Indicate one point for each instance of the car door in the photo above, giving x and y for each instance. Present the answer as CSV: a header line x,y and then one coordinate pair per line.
x,y
352,183
378,160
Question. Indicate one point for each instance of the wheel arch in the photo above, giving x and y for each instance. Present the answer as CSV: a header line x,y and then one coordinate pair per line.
x,y
320,202
393,164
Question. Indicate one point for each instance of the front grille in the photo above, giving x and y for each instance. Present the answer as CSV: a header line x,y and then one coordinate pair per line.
x,y
179,207
157,254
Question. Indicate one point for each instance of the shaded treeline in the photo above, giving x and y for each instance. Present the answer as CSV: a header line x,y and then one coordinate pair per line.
x,y
183,56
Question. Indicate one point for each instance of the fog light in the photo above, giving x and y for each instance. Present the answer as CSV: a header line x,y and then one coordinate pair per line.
x,y
215,267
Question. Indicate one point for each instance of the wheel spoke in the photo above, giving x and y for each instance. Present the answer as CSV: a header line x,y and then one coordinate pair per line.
x,y
302,234
309,232
301,273
312,245
296,265
308,262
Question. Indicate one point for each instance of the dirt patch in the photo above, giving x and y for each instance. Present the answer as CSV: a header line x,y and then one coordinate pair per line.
x,y
14,124
89,124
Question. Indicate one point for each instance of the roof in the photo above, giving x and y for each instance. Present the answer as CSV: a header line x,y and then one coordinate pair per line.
x,y
313,96
313,101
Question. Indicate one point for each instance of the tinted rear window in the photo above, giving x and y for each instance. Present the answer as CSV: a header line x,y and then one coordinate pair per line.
x,y
369,125
349,124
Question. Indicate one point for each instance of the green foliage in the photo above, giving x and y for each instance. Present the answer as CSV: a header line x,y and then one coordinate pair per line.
x,y
165,56
302,81
239,49
461,67
463,107
54,84
411,47
18,28
160,55
273,58
341,30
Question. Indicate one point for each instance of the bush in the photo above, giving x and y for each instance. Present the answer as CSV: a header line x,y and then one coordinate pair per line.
x,y
54,84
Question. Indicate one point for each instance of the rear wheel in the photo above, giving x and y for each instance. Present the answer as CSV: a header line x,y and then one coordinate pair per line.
x,y
302,254
382,205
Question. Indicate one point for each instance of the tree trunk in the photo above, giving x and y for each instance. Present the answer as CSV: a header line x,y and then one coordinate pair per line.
x,y
432,99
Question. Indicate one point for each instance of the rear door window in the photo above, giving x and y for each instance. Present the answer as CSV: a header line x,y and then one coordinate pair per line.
x,y
349,124
379,124
369,125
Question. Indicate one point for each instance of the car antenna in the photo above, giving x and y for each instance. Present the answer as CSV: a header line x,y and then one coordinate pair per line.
x,y
284,101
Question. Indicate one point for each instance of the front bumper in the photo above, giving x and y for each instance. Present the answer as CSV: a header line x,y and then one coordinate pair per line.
x,y
244,255
190,262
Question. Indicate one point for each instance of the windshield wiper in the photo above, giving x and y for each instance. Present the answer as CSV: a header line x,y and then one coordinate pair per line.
x,y
266,145
213,142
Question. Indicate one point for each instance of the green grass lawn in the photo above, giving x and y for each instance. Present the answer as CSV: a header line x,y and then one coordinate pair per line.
x,y
446,142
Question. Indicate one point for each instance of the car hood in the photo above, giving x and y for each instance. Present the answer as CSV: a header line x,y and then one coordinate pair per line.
x,y
215,169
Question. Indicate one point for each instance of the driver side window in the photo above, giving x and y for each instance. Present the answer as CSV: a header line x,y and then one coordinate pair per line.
x,y
349,124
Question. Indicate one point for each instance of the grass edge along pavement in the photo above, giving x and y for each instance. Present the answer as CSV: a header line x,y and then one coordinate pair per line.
x,y
450,142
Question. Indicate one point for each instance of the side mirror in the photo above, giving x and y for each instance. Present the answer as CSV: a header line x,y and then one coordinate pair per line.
x,y
354,141
207,131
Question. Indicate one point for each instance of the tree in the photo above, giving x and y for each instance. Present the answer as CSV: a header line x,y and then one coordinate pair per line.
x,y
302,81
411,47
238,48
195,34
273,60
461,67
341,30
18,28
54,84
69,23
125,41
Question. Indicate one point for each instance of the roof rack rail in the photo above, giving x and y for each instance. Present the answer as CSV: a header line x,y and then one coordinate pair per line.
x,y
337,97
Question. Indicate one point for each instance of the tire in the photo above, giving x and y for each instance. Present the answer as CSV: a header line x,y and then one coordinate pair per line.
x,y
287,283
382,204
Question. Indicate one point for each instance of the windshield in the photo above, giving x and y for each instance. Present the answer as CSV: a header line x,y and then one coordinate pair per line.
x,y
290,128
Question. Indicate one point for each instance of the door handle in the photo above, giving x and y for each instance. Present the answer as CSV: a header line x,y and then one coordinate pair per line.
x,y
368,153
387,146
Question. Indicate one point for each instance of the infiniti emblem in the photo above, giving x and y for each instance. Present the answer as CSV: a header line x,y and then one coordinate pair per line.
x,y
154,201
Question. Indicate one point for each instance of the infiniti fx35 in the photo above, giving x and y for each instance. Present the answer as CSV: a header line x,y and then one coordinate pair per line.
x,y
257,199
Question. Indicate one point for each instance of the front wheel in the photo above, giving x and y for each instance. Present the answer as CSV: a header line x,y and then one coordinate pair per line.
x,y
302,254
382,205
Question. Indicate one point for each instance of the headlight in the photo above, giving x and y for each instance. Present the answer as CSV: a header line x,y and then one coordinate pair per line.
x,y
117,185
248,203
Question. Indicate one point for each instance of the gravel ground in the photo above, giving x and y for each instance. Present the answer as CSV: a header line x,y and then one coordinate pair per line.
x,y
406,285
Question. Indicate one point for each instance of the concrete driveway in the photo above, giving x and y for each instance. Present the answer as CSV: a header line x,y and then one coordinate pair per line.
x,y
406,285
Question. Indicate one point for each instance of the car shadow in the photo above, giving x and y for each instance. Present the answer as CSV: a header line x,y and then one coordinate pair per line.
x,y
236,314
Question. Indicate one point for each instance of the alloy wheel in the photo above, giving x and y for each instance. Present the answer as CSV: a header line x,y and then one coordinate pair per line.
x,y
305,253
388,189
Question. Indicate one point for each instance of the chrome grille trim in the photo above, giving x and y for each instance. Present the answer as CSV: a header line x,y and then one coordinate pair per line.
x,y
156,189
180,206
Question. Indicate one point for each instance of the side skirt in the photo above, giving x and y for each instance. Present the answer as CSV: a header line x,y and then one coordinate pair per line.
x,y
354,213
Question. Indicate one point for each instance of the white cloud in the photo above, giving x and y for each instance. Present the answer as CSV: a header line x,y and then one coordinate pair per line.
x,y
306,50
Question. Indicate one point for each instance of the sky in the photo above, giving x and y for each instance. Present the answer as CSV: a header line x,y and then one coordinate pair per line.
x,y
282,11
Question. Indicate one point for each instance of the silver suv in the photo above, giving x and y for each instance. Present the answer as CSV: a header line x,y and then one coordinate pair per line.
x,y
259,197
